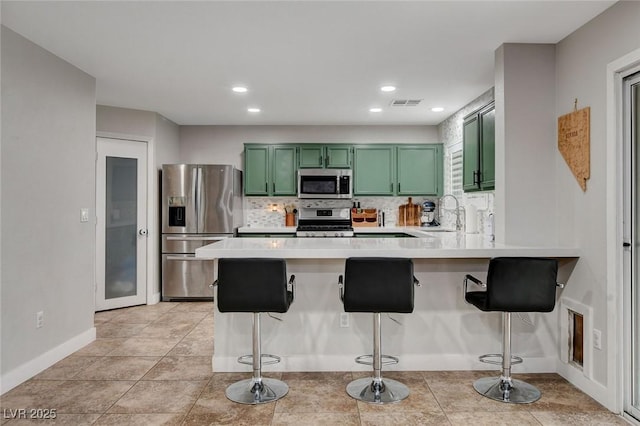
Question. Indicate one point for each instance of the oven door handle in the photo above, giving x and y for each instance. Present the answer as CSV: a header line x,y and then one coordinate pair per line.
x,y
188,258
171,238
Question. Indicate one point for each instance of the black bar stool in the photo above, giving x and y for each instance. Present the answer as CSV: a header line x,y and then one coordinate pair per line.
x,y
373,284
514,284
255,285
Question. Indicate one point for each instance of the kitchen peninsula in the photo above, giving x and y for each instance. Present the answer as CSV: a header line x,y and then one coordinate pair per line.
x,y
443,333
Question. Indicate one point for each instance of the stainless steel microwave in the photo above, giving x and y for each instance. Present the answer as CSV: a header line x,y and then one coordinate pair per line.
x,y
325,183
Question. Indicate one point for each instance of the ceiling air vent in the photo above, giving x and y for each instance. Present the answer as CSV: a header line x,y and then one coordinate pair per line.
x,y
405,102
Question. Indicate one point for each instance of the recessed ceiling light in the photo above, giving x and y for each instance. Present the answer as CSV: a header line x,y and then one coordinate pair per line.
x,y
375,109
388,88
437,109
253,109
239,89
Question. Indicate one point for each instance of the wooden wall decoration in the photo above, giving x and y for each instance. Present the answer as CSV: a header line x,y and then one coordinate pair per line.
x,y
573,143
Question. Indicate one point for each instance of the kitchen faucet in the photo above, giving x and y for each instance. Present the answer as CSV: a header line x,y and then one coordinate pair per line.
x,y
458,222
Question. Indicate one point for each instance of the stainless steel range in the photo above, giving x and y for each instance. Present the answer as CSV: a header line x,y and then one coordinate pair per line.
x,y
321,222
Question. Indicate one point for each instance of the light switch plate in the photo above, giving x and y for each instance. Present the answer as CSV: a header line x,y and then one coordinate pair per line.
x,y
84,215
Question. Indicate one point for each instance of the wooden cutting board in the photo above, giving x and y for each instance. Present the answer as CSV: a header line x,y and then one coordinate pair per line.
x,y
409,214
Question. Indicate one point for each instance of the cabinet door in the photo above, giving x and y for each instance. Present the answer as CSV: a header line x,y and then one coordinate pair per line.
x,y
470,154
419,170
256,170
283,166
311,156
338,156
373,170
488,148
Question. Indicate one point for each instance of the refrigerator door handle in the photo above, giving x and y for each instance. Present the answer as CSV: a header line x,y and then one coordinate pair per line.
x,y
199,203
194,194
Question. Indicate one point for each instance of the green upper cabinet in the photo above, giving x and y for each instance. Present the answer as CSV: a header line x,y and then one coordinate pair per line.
x,y
311,156
378,169
270,170
256,170
283,171
419,170
488,152
373,170
325,156
478,150
470,153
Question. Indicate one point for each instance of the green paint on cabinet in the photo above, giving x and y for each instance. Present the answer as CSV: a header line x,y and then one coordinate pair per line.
x,y
478,150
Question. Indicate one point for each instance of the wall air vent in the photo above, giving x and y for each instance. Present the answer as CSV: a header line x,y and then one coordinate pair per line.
x,y
405,102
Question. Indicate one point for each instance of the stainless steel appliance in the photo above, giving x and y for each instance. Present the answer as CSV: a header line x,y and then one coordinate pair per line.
x,y
325,183
321,222
201,204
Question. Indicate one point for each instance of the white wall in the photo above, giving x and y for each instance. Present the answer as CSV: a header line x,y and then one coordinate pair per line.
x,y
48,175
525,144
581,61
224,144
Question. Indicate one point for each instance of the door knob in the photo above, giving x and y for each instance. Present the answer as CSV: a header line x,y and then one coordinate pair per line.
x,y
142,232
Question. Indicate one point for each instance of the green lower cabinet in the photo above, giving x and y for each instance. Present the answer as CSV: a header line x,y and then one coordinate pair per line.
x,y
420,170
373,170
270,170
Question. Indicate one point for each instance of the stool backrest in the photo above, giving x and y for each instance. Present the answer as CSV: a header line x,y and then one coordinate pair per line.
x,y
253,285
521,284
378,284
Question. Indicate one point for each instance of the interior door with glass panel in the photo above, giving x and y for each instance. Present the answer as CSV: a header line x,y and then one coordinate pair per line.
x,y
121,229
631,296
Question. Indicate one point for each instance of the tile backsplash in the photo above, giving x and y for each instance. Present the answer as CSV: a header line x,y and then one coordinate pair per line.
x,y
269,212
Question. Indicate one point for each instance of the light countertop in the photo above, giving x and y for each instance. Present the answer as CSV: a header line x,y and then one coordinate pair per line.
x,y
428,245
415,231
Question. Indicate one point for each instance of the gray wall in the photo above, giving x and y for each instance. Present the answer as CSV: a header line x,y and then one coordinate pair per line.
x,y
224,144
48,175
581,62
525,144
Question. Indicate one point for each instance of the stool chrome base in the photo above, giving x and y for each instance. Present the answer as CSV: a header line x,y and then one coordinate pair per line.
x,y
250,391
507,390
382,391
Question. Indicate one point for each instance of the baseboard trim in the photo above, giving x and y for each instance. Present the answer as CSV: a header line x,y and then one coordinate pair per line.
x,y
20,374
595,390
153,299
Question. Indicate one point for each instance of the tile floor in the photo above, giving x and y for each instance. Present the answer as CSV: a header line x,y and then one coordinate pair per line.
x,y
151,365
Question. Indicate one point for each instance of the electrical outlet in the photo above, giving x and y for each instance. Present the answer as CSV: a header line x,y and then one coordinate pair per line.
x,y
597,338
84,215
344,319
39,319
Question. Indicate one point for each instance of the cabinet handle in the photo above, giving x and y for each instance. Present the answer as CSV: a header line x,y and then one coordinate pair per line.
x,y
266,187
392,187
320,160
274,187
398,187
326,160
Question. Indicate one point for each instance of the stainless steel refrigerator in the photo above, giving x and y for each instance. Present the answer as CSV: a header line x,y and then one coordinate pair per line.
x,y
201,204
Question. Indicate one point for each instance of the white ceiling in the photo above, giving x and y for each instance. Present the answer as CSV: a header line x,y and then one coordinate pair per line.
x,y
304,62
